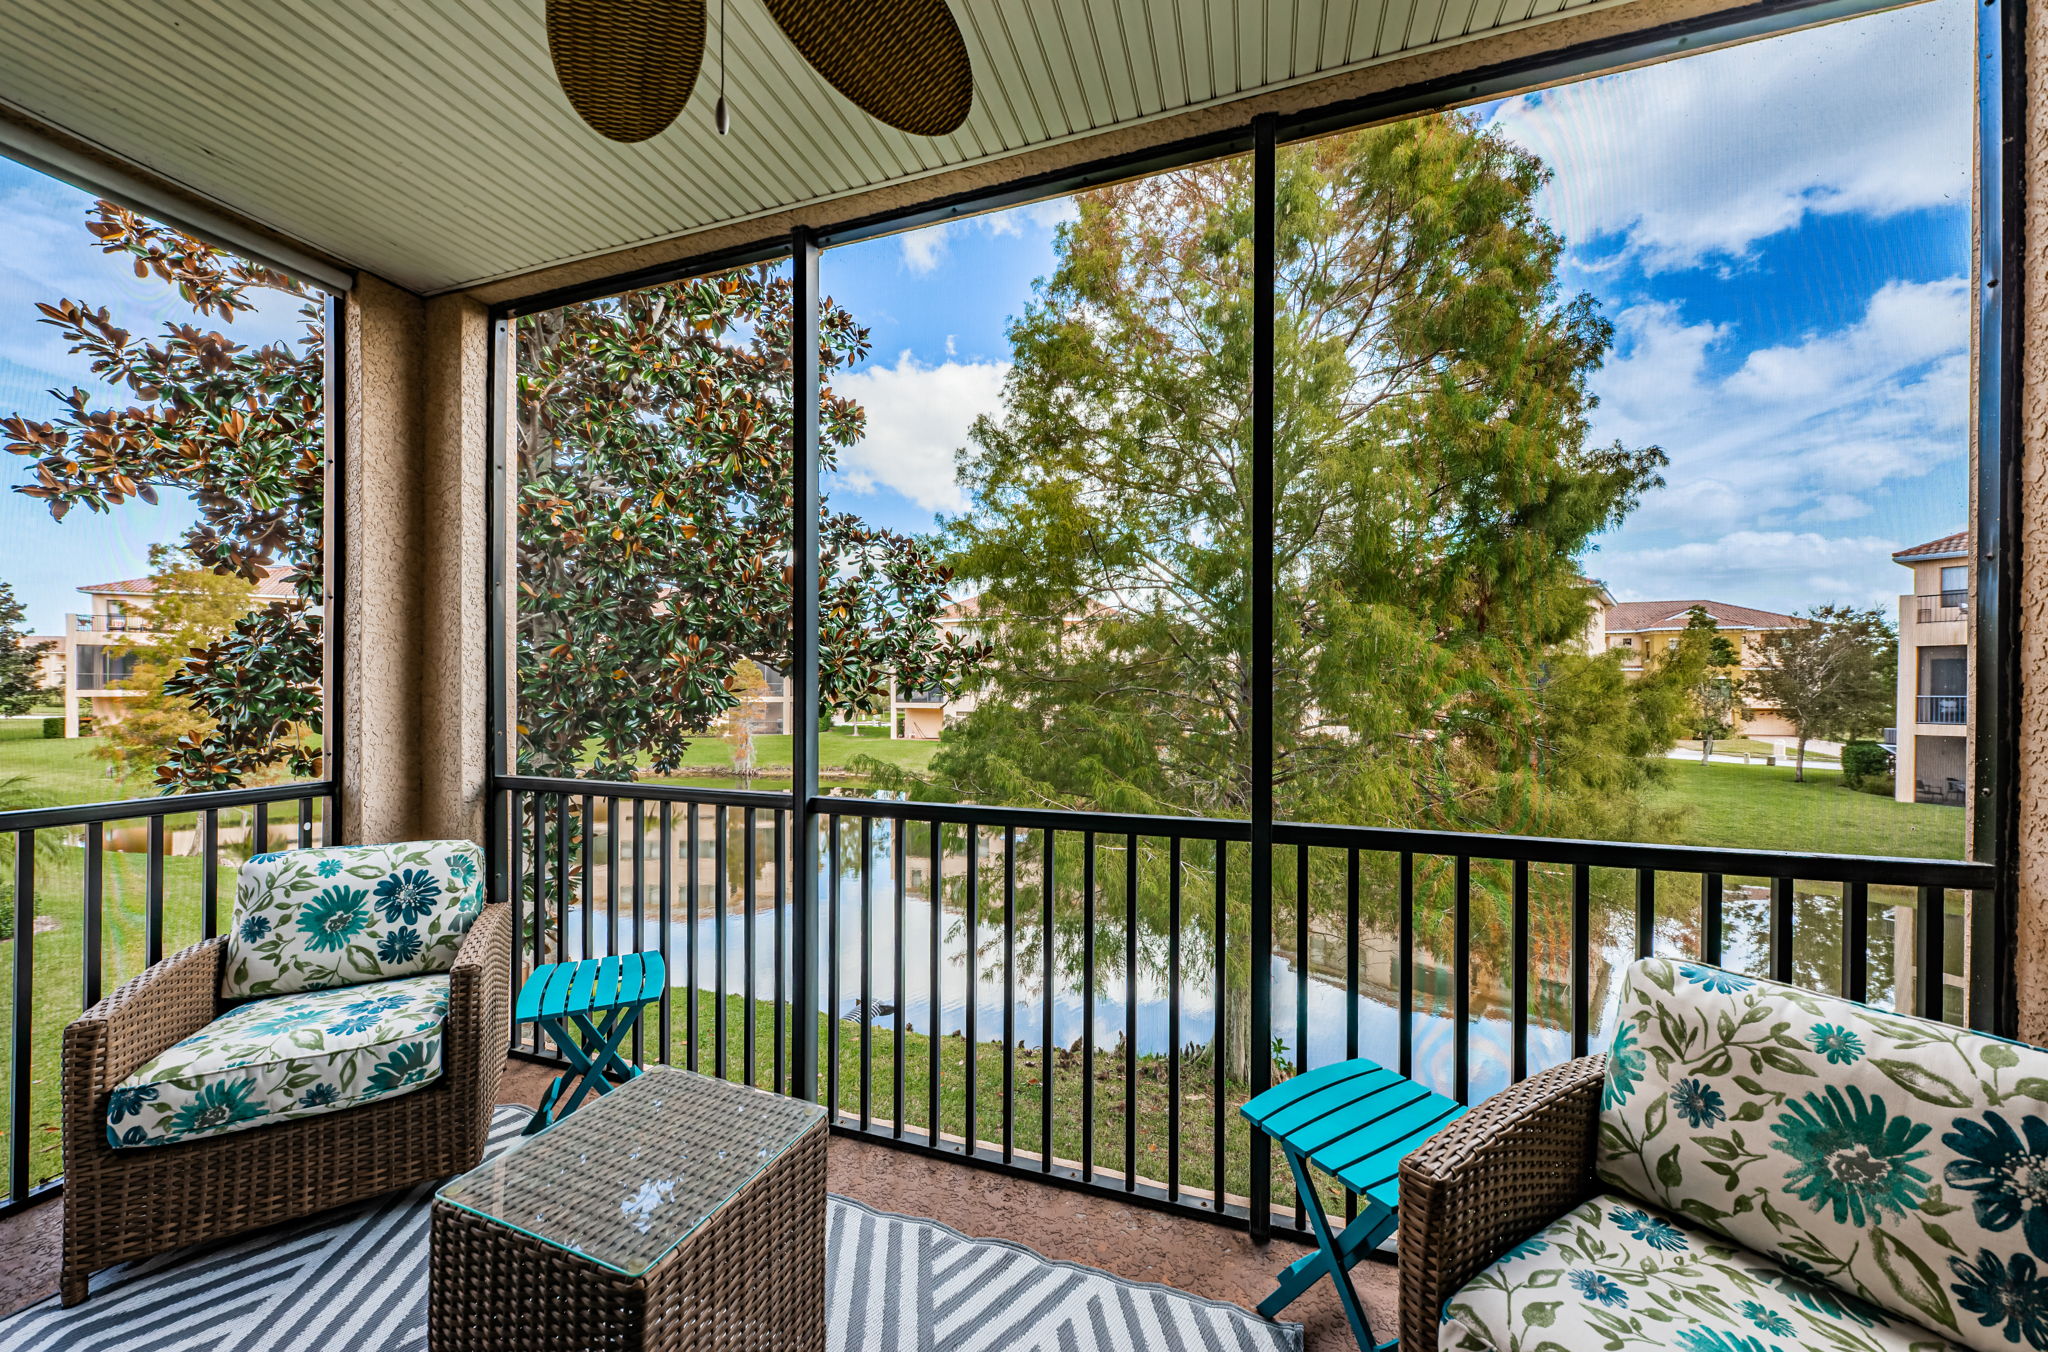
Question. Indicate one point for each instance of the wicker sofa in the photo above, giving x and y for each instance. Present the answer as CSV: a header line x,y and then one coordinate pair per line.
x,y
125,1204
1749,1167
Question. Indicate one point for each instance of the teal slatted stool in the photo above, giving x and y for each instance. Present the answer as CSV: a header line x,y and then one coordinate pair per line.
x,y
1355,1121
589,1008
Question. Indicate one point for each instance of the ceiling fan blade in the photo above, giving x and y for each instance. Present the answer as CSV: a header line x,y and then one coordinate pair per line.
x,y
903,62
627,66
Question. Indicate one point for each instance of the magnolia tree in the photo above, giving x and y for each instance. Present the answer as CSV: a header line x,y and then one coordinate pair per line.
x,y
655,510
240,429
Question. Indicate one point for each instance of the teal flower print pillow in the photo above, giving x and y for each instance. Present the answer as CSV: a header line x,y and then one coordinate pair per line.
x,y
308,920
1903,1162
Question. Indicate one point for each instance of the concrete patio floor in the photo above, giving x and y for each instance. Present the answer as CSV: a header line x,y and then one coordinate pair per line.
x,y
1130,1241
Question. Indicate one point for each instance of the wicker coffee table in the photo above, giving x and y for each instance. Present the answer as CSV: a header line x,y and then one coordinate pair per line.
x,y
677,1212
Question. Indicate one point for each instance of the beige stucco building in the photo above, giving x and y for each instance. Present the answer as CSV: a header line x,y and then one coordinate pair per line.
x,y
1642,631
1933,720
117,614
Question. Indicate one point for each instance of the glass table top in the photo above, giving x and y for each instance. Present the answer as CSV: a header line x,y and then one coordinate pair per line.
x,y
626,1178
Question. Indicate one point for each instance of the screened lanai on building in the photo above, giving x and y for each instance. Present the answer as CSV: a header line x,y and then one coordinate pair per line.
x,y
1234,429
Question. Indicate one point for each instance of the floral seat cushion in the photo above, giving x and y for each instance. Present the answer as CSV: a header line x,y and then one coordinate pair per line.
x,y
294,1056
1617,1274
309,920
1905,1161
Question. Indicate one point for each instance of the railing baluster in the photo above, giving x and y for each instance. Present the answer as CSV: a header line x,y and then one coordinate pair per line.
x,y
1582,958
1301,969
1930,953
260,832
899,861
1646,912
1461,995
305,822
1087,1006
721,888
971,1062
833,892
1009,994
559,932
515,831
589,916
1219,1046
782,952
693,865
1350,987
1781,930
95,886
1711,940
1130,1013
209,868
611,876
21,1070
750,863
1173,1019
1855,941
867,966
664,912
1519,964
153,896
639,908
1048,1042
540,894
937,888
1406,958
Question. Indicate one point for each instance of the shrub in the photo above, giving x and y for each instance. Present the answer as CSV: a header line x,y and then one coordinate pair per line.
x,y
53,727
1864,760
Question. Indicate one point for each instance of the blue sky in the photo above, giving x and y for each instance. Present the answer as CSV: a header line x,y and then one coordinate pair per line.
x,y
1784,258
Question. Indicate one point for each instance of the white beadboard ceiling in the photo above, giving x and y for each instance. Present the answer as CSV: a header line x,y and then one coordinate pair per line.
x,y
425,140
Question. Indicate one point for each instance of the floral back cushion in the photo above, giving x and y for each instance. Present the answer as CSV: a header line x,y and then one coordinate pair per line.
x,y
308,920
1903,1161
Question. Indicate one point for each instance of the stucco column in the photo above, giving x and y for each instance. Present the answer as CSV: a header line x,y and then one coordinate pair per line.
x,y
454,472
381,625
2032,957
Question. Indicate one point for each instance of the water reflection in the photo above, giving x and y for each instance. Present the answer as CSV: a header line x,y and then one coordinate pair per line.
x,y
1313,1023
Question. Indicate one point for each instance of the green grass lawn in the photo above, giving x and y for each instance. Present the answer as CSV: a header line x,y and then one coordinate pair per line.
x,y
56,769
1736,746
1759,807
837,752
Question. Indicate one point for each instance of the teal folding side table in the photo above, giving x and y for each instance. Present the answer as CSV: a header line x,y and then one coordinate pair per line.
x,y
1356,1121
588,1008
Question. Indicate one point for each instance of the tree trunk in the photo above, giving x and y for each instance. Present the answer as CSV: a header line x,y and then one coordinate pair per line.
x,y
1799,763
1706,749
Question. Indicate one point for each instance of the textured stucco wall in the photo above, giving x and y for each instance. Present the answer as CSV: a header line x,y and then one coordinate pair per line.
x,y
454,471
381,623
2032,957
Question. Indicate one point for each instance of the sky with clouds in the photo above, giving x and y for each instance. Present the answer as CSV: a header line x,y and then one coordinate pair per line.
x,y
1784,258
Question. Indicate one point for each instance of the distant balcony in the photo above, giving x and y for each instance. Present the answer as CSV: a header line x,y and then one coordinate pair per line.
x,y
1944,709
1939,606
933,695
109,624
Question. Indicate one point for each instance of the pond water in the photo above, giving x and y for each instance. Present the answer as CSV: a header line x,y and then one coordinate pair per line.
x,y
1323,1037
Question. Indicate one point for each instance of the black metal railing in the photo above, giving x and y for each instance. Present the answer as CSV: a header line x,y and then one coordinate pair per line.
x,y
1072,997
1938,606
93,894
1943,708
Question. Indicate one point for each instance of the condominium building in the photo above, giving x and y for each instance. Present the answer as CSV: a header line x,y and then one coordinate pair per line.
x,y
1642,631
1933,729
116,615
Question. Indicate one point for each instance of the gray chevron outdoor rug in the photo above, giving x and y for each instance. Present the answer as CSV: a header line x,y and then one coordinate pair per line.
x,y
355,1280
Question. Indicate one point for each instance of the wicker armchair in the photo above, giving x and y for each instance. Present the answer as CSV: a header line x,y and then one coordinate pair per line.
x,y
1497,1175
126,1204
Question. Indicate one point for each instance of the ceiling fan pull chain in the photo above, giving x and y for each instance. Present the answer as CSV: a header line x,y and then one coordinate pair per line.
x,y
724,114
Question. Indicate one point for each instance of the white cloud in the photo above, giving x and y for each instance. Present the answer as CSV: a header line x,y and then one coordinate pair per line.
x,y
918,416
926,248
1721,150
1811,426
1746,564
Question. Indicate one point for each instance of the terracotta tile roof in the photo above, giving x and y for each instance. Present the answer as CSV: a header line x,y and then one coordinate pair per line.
x,y
1630,617
271,588
1947,547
